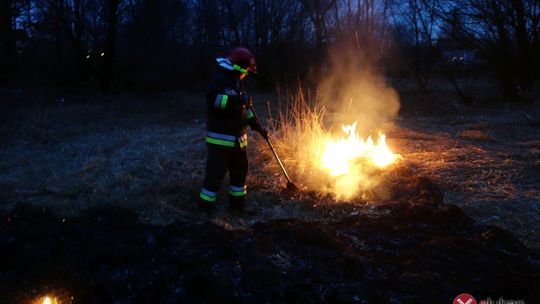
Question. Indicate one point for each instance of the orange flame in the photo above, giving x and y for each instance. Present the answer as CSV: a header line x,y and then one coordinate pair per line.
x,y
343,158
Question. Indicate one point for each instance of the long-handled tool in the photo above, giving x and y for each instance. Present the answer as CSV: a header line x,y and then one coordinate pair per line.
x,y
290,184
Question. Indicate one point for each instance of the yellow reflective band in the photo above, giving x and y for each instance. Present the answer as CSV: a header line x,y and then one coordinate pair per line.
x,y
237,193
224,101
220,142
207,197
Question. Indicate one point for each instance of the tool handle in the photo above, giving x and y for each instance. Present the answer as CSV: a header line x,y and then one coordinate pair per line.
x,y
279,160
269,143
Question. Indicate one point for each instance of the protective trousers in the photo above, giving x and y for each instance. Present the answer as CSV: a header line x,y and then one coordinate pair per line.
x,y
220,160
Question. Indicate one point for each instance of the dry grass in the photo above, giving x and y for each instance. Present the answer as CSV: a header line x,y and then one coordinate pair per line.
x,y
293,126
73,157
495,181
299,132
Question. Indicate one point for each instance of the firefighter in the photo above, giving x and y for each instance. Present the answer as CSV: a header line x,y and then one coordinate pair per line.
x,y
228,115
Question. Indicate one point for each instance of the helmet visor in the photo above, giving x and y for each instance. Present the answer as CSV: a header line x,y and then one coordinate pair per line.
x,y
238,68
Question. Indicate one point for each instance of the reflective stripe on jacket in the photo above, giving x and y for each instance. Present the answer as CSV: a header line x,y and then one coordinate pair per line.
x,y
226,140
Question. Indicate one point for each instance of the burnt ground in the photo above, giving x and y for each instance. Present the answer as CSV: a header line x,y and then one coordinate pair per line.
x,y
97,207
421,253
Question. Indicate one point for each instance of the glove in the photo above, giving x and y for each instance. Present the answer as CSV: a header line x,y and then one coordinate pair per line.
x,y
244,100
264,133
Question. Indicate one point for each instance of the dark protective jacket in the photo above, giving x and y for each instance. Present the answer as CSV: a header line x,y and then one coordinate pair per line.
x,y
227,116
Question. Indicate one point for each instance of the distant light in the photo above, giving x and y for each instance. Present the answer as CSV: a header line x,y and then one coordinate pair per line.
x,y
88,56
102,54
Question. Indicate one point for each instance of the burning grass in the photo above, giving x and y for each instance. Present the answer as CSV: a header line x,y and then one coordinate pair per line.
x,y
343,165
493,177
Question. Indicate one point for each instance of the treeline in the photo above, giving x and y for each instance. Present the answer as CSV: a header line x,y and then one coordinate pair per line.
x,y
115,45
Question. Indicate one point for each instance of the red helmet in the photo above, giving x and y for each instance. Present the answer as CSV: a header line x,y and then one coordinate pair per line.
x,y
243,58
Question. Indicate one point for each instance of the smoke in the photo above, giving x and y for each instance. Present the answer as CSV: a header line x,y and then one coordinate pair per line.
x,y
352,89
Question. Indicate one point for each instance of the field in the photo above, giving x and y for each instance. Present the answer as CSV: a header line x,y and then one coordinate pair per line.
x,y
97,202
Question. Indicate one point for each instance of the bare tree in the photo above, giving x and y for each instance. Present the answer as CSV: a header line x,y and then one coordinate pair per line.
x,y
7,38
362,23
7,45
236,12
424,22
317,11
111,20
207,19
507,35
418,19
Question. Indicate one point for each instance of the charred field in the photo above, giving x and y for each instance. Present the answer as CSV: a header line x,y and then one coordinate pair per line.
x,y
97,205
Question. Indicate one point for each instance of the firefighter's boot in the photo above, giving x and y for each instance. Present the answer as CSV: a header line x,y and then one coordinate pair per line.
x,y
207,200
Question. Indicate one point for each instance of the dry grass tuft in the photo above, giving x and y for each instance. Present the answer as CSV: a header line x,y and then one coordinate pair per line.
x,y
299,134
295,126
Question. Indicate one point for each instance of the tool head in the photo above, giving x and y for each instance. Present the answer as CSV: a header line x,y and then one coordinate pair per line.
x,y
292,187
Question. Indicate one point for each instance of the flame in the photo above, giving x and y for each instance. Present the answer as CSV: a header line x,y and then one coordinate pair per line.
x,y
343,158
47,299
340,154
345,168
